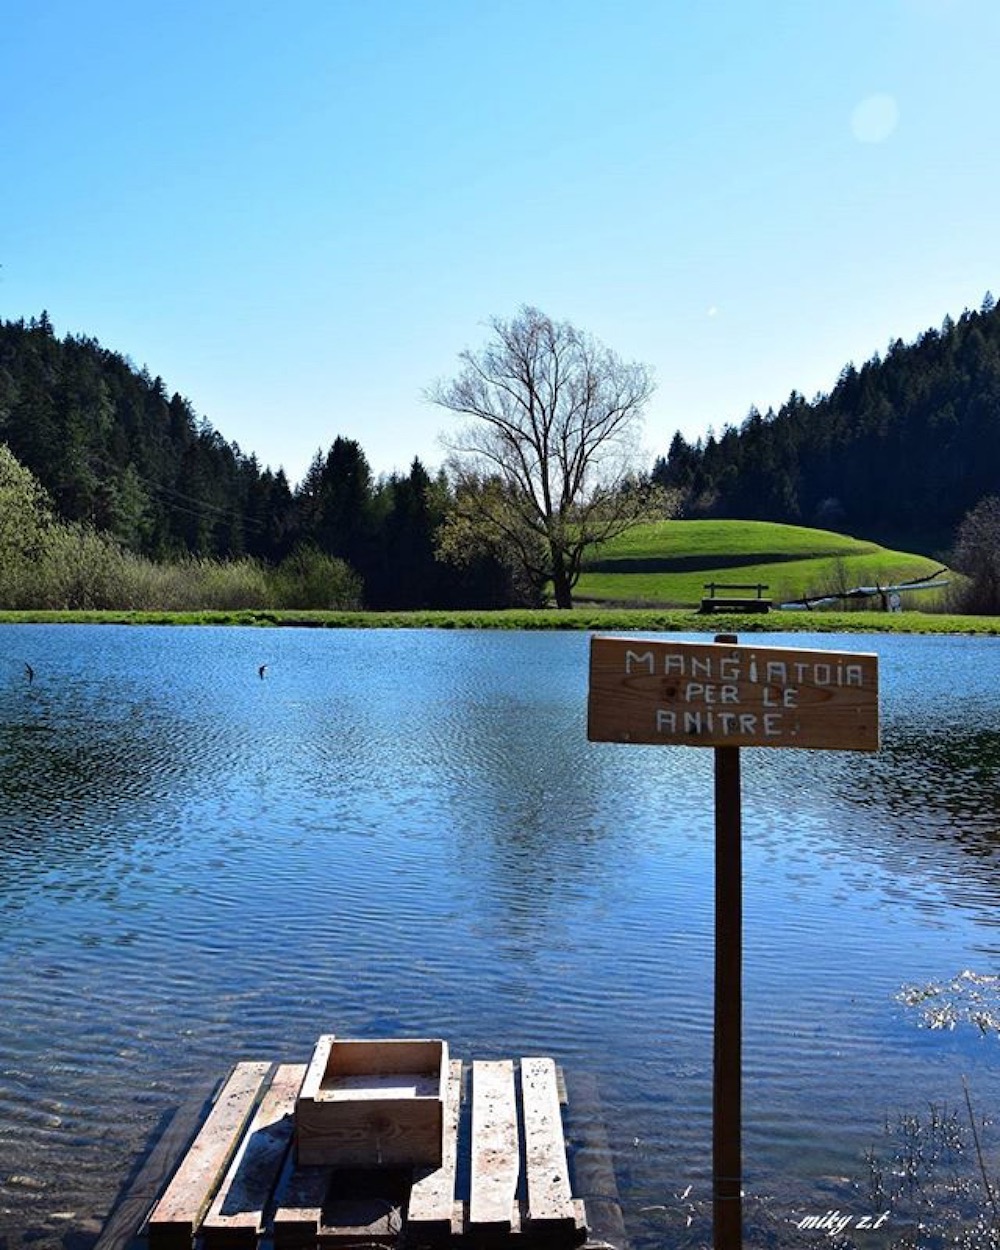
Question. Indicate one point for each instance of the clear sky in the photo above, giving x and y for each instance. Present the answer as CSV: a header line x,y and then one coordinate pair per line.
x,y
298,212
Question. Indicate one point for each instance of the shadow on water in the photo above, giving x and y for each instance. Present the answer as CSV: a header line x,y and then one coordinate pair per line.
x,y
929,815
953,772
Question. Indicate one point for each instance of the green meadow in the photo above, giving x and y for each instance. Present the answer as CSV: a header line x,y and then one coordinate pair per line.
x,y
669,563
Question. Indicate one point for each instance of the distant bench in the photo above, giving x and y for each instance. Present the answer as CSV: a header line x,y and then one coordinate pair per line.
x,y
715,602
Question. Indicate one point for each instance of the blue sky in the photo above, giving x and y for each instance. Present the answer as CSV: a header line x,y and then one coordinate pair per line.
x,y
298,213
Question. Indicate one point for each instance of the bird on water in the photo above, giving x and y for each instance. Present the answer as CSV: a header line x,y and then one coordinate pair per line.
x,y
29,672
261,671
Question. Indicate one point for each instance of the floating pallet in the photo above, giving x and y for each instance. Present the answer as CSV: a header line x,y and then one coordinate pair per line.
x,y
504,1178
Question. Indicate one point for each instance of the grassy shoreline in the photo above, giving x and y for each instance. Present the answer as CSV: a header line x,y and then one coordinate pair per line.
x,y
674,620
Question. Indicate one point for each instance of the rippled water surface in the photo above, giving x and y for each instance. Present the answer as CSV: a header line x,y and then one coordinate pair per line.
x,y
407,833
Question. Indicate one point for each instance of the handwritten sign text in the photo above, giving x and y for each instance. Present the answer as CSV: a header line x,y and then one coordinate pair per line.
x,y
722,694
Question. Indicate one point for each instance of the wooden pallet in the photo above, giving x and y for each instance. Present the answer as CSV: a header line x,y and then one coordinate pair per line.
x,y
504,1179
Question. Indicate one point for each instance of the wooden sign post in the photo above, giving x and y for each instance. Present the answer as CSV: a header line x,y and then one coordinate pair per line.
x,y
727,696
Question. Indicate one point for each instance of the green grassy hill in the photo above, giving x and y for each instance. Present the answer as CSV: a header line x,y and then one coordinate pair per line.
x,y
669,562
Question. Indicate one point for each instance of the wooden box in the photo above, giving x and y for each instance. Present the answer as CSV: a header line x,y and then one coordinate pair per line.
x,y
373,1104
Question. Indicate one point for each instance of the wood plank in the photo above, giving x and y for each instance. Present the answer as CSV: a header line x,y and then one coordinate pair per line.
x,y
550,1200
177,1215
318,1065
237,1213
432,1198
300,1207
495,1153
363,1225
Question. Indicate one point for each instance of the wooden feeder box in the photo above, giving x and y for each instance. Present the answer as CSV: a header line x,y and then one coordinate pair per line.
x,y
373,1104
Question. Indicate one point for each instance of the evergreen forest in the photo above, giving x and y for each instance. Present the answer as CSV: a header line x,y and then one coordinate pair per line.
x,y
899,451
117,456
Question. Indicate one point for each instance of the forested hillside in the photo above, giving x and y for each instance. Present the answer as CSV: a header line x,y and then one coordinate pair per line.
x,y
900,450
114,451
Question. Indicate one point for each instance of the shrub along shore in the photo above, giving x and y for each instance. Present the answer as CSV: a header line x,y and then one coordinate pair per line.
x,y
676,620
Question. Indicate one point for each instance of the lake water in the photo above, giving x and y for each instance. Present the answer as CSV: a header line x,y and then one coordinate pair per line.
x,y
407,834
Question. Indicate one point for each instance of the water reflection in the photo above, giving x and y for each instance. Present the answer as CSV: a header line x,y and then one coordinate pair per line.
x,y
945,768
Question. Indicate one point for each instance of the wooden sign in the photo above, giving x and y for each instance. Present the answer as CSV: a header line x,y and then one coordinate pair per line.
x,y
723,694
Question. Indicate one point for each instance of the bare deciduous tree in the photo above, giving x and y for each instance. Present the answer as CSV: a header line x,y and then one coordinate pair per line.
x,y
544,468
